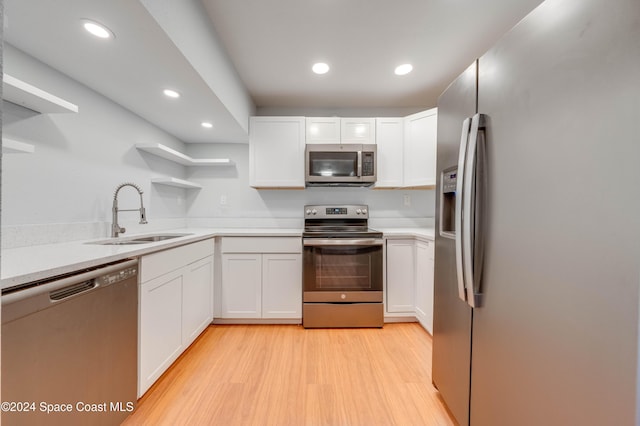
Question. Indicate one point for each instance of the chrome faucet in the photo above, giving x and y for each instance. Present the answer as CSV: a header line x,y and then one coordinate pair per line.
x,y
115,228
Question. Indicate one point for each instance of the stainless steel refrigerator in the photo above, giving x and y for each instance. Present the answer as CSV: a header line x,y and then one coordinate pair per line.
x,y
537,251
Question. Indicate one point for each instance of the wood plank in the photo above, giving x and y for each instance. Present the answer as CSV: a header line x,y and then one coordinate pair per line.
x,y
286,375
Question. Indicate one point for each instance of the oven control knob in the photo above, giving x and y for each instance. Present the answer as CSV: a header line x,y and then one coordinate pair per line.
x,y
314,212
343,296
358,211
364,211
308,212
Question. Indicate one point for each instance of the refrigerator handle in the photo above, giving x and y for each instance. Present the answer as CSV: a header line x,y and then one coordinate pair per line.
x,y
472,209
464,140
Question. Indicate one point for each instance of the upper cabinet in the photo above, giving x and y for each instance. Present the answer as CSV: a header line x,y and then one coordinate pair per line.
x,y
420,134
390,141
340,130
406,147
323,130
407,151
358,130
276,152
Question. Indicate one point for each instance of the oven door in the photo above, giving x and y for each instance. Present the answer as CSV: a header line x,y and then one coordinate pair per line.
x,y
342,270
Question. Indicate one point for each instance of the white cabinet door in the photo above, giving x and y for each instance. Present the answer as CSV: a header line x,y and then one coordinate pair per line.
x,y
424,284
400,276
390,142
160,327
358,130
281,285
322,130
276,152
420,148
241,285
197,309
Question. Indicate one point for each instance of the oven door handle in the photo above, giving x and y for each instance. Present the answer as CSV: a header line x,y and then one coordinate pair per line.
x,y
307,242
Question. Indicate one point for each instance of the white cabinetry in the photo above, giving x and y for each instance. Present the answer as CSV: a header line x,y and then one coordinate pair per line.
x,y
241,285
176,288
400,276
420,137
323,130
424,284
261,278
282,285
390,141
340,130
358,130
409,286
276,152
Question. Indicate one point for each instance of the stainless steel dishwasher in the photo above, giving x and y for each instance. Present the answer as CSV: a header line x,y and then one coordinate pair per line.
x,y
69,348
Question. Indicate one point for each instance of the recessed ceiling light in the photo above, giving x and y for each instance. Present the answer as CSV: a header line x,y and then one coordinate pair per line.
x,y
171,93
403,69
320,68
206,125
97,29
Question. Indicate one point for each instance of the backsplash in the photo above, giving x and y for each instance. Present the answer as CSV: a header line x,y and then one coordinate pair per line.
x,y
51,233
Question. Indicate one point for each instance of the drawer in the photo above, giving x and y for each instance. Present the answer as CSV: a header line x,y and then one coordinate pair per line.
x,y
162,262
261,245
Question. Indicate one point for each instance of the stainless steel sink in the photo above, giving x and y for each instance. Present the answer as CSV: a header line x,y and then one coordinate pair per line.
x,y
154,238
117,243
143,239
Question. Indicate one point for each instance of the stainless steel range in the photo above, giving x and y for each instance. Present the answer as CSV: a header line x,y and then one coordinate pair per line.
x,y
342,268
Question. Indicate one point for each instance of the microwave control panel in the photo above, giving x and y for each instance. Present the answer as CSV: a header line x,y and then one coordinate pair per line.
x,y
368,162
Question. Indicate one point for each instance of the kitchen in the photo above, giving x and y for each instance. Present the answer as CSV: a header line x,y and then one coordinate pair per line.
x,y
62,191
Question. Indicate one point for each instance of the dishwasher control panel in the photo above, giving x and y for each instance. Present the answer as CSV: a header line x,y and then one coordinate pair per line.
x,y
118,276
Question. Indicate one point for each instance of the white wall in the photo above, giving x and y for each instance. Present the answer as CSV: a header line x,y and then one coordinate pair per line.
x,y
80,158
242,201
187,23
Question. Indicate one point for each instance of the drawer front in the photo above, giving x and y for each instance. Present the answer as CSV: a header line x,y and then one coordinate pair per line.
x,y
261,245
162,262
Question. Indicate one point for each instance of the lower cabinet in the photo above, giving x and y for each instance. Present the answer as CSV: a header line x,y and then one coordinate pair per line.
x,y
409,288
241,285
261,278
401,269
175,306
282,285
424,284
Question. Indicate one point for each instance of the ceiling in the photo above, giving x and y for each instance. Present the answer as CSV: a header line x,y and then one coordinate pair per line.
x,y
268,47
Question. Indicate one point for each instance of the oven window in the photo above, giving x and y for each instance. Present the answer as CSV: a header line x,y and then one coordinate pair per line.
x,y
354,268
342,164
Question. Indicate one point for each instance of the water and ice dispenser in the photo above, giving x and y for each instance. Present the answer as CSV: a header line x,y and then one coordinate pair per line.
x,y
448,182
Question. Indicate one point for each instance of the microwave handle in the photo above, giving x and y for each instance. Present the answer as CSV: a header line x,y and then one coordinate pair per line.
x,y
359,171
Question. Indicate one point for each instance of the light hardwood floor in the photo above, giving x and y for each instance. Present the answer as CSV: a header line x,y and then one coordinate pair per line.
x,y
286,375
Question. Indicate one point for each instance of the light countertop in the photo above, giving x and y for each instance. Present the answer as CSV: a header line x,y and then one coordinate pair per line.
x,y
26,264
421,233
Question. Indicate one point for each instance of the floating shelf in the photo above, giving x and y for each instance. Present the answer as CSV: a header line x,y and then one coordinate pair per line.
x,y
170,181
28,96
180,158
10,146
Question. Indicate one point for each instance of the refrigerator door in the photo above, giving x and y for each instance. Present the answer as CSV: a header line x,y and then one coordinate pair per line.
x,y
556,341
452,315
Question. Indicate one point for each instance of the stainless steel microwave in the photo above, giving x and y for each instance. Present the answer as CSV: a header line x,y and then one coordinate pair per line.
x,y
340,164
